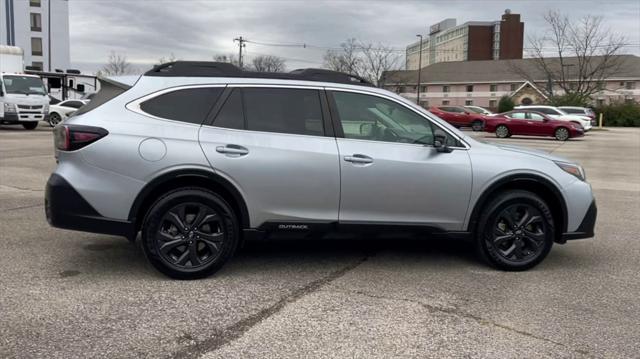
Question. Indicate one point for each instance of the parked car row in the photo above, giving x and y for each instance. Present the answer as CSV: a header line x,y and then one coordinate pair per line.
x,y
562,123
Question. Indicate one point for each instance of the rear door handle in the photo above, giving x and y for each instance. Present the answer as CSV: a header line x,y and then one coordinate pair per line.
x,y
358,158
232,150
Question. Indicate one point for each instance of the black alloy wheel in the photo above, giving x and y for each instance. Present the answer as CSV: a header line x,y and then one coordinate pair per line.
x,y
54,119
516,231
189,233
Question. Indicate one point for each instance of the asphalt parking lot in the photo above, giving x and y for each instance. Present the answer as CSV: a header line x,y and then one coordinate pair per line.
x,y
67,294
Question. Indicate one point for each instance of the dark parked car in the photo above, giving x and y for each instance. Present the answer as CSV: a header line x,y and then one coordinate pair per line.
x,y
530,123
459,116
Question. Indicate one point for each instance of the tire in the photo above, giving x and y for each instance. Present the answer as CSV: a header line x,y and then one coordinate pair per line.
x,y
502,131
207,240
507,244
477,125
561,134
54,119
30,125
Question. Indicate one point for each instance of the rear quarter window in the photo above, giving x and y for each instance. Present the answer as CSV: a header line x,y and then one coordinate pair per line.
x,y
187,105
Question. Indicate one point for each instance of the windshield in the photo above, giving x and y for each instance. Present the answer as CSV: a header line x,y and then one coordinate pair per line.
x,y
26,85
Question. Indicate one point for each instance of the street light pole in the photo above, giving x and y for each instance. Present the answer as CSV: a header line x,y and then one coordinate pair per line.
x,y
419,70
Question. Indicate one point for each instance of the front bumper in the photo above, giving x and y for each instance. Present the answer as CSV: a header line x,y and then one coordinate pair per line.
x,y
20,117
587,226
65,208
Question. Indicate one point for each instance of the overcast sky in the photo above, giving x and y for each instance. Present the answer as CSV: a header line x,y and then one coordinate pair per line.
x,y
145,30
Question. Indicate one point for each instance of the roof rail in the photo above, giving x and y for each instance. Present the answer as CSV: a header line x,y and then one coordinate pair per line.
x,y
223,69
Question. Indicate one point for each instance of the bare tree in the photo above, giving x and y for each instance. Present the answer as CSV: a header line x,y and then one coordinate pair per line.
x,y
116,65
376,60
366,60
583,56
268,63
231,58
163,60
347,59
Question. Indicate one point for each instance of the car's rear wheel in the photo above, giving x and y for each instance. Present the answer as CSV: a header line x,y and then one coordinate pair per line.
x,y
515,231
54,119
30,125
189,233
477,125
561,134
502,131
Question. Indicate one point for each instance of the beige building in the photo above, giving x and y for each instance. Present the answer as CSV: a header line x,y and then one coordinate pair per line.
x,y
482,83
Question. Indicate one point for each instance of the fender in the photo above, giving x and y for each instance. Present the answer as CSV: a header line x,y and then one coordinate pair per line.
x,y
521,177
196,174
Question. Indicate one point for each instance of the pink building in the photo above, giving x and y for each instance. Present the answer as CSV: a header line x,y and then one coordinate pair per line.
x,y
482,83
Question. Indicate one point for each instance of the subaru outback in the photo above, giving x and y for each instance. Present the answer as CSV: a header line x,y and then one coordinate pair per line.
x,y
196,157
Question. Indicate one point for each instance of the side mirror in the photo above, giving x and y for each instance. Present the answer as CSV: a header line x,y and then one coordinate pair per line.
x,y
440,141
544,119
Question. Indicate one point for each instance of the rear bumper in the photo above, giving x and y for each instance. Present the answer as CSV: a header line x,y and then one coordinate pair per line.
x,y
587,226
65,208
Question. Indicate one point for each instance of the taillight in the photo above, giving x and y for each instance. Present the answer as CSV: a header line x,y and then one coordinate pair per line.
x,y
74,137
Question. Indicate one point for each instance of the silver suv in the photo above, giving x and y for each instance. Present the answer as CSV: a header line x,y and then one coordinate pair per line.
x,y
198,156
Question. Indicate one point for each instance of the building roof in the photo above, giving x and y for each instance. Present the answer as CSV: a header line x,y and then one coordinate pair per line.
x,y
487,71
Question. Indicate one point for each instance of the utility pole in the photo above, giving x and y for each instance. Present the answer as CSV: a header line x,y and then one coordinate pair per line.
x,y
49,34
241,44
419,69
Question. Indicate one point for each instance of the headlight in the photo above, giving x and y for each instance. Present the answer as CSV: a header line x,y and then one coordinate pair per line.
x,y
46,107
10,107
572,169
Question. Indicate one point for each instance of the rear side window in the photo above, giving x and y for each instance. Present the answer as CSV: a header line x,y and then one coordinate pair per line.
x,y
188,105
231,115
295,111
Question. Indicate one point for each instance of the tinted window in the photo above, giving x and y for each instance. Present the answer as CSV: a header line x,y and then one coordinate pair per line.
x,y
295,111
74,104
230,115
373,118
573,110
188,105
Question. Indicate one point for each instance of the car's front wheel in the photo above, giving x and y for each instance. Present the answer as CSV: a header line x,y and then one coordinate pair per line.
x,y
30,125
562,134
54,119
515,231
189,233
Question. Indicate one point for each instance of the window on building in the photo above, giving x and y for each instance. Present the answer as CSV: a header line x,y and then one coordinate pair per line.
x,y
493,88
514,87
445,88
468,103
600,102
401,89
37,64
493,103
36,46
469,88
630,85
423,89
424,104
629,100
188,105
36,21
35,3
283,110
446,102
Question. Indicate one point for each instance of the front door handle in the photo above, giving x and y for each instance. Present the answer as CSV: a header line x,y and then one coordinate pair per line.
x,y
232,150
358,158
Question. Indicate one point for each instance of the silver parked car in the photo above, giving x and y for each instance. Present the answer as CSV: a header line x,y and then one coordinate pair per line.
x,y
198,156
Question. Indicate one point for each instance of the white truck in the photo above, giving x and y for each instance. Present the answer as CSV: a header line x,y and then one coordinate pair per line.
x,y
23,98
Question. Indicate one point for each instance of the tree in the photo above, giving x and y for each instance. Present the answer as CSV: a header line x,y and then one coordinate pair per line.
x,y
366,60
163,60
268,63
231,58
505,104
584,56
116,65
347,59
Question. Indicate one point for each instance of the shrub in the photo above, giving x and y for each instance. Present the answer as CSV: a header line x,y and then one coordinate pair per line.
x,y
505,104
622,113
568,100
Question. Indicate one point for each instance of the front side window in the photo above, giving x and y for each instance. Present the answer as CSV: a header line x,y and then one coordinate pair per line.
x,y
283,110
367,117
187,105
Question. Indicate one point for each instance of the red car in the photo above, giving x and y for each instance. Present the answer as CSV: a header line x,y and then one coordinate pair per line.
x,y
531,123
459,116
